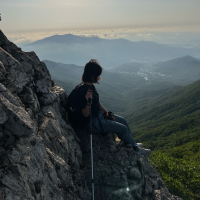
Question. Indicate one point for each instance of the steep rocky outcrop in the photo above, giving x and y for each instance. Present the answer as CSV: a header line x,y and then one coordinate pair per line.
x,y
43,158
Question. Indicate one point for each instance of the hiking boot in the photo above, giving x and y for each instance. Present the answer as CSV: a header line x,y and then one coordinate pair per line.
x,y
122,143
140,145
144,152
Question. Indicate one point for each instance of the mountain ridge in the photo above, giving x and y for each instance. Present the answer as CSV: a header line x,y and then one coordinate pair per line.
x,y
168,112
110,52
76,38
186,67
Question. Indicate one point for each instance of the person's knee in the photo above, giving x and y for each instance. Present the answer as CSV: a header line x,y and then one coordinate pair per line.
x,y
119,118
121,132
114,127
123,121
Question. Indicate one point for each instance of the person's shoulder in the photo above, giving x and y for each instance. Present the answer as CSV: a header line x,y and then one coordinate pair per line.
x,y
93,87
86,86
83,88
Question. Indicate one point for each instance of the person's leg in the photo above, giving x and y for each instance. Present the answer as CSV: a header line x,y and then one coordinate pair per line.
x,y
120,130
121,120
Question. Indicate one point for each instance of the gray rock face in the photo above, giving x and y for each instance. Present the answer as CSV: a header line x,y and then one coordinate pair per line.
x,y
39,155
18,120
119,173
43,158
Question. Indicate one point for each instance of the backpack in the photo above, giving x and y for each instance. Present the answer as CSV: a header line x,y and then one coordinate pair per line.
x,y
73,110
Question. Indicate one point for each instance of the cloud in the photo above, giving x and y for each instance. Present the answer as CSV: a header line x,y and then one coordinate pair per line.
x,y
144,34
131,33
102,35
29,37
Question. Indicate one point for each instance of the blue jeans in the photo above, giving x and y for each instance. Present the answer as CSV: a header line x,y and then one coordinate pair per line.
x,y
119,127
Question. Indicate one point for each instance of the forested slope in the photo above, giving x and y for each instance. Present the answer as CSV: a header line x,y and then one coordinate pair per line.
x,y
173,121
170,126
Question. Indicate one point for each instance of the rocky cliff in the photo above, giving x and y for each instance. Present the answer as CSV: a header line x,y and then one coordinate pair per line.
x,y
43,158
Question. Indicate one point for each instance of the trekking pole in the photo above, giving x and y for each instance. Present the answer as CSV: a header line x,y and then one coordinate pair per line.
x,y
90,100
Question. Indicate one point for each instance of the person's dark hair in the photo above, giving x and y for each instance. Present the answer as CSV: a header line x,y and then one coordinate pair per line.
x,y
92,68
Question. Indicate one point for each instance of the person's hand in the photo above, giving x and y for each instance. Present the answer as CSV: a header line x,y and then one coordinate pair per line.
x,y
113,118
110,117
88,96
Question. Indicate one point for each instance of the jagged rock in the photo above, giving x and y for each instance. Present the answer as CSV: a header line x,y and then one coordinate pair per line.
x,y
29,98
56,93
62,95
162,195
19,76
43,158
18,121
2,72
3,114
135,173
2,67
2,88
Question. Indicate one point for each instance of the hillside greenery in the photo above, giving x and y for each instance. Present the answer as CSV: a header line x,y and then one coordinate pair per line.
x,y
180,169
181,177
170,126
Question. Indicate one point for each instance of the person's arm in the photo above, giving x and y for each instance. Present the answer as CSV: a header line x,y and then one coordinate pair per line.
x,y
86,110
103,108
105,111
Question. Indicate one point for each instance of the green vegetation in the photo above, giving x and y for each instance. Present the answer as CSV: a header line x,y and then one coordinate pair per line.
x,y
170,126
180,169
180,176
189,152
173,121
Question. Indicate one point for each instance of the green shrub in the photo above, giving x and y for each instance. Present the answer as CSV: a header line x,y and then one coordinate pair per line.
x,y
181,177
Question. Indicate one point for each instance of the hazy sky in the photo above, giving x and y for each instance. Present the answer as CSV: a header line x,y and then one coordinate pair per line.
x,y
19,15
29,20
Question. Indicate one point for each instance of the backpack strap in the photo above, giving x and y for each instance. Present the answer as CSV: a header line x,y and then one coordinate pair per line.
x,y
101,125
97,115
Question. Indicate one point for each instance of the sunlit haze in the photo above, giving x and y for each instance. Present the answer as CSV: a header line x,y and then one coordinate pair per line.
x,y
163,21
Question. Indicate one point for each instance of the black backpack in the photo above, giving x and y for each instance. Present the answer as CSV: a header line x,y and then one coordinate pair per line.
x,y
73,109
74,112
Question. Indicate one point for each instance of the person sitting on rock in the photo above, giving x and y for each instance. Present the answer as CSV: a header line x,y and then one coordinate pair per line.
x,y
118,124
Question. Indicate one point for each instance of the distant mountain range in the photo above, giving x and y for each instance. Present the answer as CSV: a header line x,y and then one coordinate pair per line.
x,y
65,72
67,39
133,67
180,71
130,84
110,53
184,67
114,88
